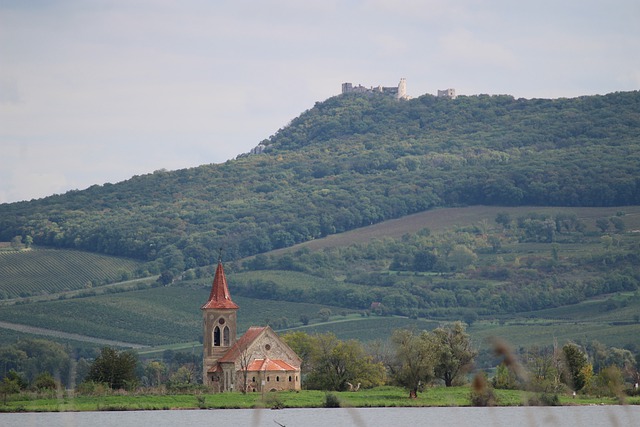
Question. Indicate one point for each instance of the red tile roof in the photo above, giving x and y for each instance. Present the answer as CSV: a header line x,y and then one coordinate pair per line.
x,y
219,296
243,343
269,365
261,365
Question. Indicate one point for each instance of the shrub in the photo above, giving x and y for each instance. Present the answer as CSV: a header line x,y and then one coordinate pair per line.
x,y
481,393
545,399
273,401
91,388
44,381
609,382
201,401
331,401
504,378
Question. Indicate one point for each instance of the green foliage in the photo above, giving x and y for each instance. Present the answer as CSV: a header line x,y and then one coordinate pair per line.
x,y
550,263
44,381
455,354
17,378
444,353
350,162
8,387
332,364
544,399
90,388
155,372
608,382
603,356
331,401
184,379
505,378
117,369
415,358
603,224
575,363
202,401
16,242
324,314
35,357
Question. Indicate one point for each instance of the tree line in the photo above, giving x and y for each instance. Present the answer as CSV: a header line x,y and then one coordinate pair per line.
x,y
415,360
465,272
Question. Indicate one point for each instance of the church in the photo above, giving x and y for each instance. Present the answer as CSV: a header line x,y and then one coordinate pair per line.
x,y
258,361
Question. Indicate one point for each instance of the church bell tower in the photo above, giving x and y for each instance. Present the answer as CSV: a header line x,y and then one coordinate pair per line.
x,y
219,318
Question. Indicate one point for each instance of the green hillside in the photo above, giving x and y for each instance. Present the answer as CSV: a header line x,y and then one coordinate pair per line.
x,y
518,216
353,161
592,286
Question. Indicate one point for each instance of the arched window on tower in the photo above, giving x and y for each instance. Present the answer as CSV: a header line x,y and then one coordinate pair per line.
x,y
226,336
216,336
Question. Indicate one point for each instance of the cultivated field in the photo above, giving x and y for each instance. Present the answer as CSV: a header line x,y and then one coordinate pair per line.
x,y
35,272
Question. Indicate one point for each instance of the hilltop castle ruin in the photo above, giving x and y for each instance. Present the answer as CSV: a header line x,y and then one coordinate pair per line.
x,y
447,93
399,92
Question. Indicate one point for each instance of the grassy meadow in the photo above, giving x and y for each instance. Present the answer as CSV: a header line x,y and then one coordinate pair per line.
x,y
377,397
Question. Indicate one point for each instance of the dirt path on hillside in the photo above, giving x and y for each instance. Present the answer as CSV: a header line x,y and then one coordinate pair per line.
x,y
66,335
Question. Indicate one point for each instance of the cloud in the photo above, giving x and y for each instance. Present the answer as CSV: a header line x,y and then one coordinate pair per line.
x,y
466,48
9,91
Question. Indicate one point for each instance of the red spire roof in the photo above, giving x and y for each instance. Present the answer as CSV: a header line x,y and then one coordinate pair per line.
x,y
219,296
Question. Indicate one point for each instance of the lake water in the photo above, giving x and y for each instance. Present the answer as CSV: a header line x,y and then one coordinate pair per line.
x,y
588,416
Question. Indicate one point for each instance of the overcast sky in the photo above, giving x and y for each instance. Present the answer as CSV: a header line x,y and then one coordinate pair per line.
x,y
95,91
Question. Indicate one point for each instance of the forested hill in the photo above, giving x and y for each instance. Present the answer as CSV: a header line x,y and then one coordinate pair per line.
x,y
352,161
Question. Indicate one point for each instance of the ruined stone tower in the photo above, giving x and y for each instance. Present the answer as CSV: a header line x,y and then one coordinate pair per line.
x,y
402,89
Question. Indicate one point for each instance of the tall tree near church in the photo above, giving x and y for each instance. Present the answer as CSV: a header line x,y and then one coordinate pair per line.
x,y
575,362
454,352
415,356
118,369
